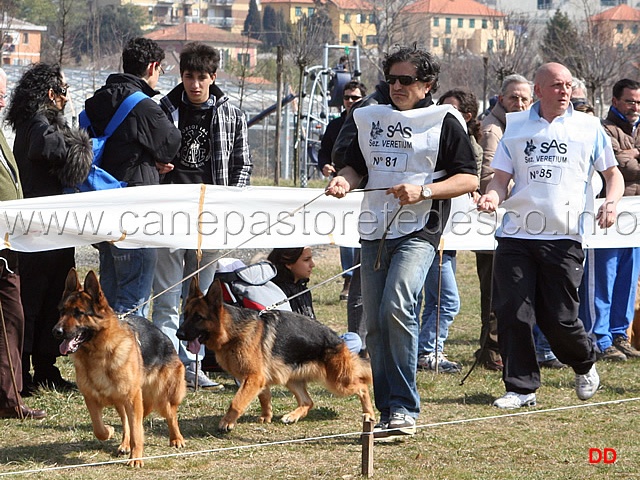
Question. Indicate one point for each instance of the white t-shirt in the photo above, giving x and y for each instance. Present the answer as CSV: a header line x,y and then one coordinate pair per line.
x,y
552,165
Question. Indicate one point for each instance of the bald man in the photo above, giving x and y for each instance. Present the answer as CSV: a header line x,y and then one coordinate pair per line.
x,y
550,152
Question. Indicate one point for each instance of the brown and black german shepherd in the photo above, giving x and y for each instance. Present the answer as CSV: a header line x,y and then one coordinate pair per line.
x,y
272,348
128,364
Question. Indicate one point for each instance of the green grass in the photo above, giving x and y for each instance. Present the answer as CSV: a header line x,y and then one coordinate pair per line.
x,y
490,444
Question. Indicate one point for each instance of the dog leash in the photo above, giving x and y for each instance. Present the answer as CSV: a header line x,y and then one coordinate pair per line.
x,y
308,289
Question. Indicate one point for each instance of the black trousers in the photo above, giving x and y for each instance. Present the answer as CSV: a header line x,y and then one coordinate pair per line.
x,y
536,281
489,328
11,345
42,279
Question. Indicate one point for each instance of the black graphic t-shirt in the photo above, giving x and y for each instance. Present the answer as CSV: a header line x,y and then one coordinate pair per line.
x,y
194,164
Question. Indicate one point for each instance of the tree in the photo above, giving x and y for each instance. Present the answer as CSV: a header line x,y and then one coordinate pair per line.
x,y
560,39
106,30
253,24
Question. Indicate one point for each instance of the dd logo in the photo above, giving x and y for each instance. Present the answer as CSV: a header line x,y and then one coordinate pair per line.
x,y
607,455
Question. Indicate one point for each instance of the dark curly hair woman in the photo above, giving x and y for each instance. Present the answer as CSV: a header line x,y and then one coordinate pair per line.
x,y
50,156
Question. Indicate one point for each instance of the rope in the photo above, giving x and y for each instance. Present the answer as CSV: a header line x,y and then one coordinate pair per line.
x,y
322,437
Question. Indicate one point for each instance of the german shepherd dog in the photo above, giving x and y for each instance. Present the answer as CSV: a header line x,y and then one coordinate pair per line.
x,y
271,348
128,364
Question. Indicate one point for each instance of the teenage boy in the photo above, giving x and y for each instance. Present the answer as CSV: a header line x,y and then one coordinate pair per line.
x,y
214,151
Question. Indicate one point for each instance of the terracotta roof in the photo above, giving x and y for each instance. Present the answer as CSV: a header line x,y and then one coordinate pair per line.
x,y
352,4
198,31
453,7
621,13
267,2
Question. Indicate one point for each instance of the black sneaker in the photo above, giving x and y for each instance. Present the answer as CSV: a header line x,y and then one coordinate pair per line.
x,y
553,363
401,424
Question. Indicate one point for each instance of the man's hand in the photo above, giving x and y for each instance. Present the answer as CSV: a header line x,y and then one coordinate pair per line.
x,y
328,170
406,193
606,215
164,167
338,187
489,201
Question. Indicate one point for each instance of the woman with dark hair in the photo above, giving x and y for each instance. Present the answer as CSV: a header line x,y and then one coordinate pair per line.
x,y
466,103
294,267
50,156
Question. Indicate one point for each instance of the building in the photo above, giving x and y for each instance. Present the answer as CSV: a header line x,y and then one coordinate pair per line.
x,y
353,21
620,25
232,46
292,10
21,41
227,14
458,26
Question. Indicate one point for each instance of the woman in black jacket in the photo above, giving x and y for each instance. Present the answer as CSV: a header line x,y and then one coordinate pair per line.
x,y
50,156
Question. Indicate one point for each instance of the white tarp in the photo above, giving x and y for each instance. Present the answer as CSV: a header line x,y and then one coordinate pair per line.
x,y
186,216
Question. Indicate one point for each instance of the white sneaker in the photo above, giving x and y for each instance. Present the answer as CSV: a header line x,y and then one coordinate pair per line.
x,y
587,384
515,400
428,361
201,379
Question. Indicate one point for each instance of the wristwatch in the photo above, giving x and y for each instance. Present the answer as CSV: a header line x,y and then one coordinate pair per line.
x,y
425,194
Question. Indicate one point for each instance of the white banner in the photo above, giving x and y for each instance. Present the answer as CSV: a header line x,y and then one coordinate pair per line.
x,y
188,216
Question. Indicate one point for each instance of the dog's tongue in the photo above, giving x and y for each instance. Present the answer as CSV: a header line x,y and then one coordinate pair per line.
x,y
67,346
194,346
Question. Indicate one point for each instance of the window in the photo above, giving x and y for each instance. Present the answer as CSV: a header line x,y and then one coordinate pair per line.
x,y
360,18
490,45
472,23
372,18
310,11
496,24
447,43
460,22
436,42
372,39
447,25
345,38
620,47
347,18
485,23
619,28
436,22
502,44
244,59
298,11
544,4
634,29
25,38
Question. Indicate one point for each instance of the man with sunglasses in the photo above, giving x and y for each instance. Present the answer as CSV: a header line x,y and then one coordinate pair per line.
x,y
415,157
608,290
141,148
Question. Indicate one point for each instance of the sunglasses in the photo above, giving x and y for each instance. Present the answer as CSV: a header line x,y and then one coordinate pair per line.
x,y
404,80
352,97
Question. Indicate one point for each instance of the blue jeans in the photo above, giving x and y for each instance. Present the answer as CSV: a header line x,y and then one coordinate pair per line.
x,y
390,296
608,293
172,266
543,349
126,276
347,259
449,304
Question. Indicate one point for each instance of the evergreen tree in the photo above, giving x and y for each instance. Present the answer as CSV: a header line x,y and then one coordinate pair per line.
x,y
253,23
270,34
560,40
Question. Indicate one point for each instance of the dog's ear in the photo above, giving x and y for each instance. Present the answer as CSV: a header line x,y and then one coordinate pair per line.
x,y
93,288
214,295
72,284
194,288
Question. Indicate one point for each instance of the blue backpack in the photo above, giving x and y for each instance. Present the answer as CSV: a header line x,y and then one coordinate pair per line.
x,y
98,178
